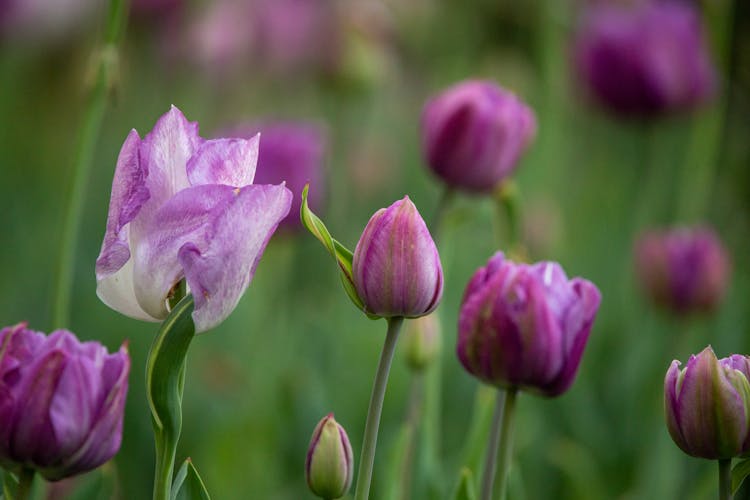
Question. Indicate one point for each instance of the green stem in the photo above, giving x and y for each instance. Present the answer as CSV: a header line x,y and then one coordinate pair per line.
x,y
412,424
89,134
25,480
725,479
446,198
506,444
490,464
367,458
507,202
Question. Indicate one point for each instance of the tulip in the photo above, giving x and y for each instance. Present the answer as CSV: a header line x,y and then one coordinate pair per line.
x,y
525,326
183,207
422,342
684,269
61,401
474,133
396,267
645,60
329,463
707,405
292,153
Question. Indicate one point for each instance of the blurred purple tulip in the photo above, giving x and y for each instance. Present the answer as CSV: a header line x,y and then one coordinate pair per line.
x,y
683,269
219,39
474,133
645,59
525,326
290,152
396,267
329,466
44,20
185,207
61,401
707,405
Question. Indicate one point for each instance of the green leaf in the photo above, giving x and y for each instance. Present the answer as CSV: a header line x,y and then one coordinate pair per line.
x,y
338,251
465,488
10,485
188,484
739,472
165,380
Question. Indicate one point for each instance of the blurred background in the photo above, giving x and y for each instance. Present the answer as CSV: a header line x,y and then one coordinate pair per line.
x,y
358,73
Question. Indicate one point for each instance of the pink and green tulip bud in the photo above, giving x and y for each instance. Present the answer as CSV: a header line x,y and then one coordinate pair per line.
x,y
61,401
396,267
707,405
329,465
422,342
646,59
683,270
525,326
474,133
183,207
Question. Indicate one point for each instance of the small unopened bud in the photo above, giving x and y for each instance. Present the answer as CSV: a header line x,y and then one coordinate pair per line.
x,y
422,342
329,464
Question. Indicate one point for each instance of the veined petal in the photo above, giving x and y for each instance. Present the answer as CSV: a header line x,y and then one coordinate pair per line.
x,y
219,271
129,193
118,292
224,161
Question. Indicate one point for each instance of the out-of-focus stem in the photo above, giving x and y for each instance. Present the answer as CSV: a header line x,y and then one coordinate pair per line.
x,y
106,69
508,204
488,476
413,416
436,223
367,457
25,480
725,479
506,444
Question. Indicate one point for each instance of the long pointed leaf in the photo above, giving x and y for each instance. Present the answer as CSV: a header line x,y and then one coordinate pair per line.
x,y
739,473
465,489
188,484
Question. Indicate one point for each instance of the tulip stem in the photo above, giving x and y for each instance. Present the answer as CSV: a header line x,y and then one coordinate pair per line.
x,y
490,463
506,443
106,69
25,480
446,198
507,201
369,442
725,479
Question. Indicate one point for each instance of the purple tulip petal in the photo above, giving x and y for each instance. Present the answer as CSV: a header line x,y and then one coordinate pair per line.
x,y
224,161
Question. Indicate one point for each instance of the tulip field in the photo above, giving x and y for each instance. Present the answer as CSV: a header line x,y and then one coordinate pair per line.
x,y
416,250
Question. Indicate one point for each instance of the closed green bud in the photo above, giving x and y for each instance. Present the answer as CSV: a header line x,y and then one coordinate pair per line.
x,y
329,463
422,342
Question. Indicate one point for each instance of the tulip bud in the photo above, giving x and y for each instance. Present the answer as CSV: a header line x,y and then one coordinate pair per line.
x,y
396,267
707,405
329,463
422,342
683,270
61,401
474,133
645,59
525,326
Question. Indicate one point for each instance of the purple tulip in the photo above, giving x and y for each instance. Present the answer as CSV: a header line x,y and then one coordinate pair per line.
x,y
44,21
646,59
61,401
474,133
329,465
707,405
183,207
525,326
396,267
683,269
290,152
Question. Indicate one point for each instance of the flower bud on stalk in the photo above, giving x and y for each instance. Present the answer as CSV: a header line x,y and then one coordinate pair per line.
x,y
525,326
707,405
396,267
329,463
61,402
473,134
422,342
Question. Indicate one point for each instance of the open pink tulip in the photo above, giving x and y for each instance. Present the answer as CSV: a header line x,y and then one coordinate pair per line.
x,y
183,207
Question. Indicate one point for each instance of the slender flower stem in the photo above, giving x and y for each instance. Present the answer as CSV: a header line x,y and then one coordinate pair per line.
x,y
25,480
416,401
506,444
446,198
725,479
490,463
106,69
367,458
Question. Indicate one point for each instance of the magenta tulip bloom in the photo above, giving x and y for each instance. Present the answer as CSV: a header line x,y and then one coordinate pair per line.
x,y
707,405
525,326
684,269
646,59
290,152
474,133
61,401
183,207
396,267
329,466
